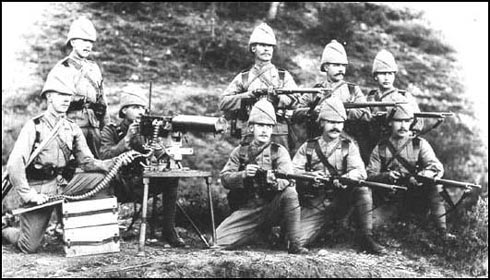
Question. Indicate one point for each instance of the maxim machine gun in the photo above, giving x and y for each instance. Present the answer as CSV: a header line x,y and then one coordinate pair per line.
x,y
173,128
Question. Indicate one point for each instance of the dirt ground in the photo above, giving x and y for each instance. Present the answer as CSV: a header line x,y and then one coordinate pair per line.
x,y
340,260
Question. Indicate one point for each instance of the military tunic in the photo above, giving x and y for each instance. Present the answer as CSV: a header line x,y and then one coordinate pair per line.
x,y
379,130
340,90
33,224
128,183
317,208
422,156
87,82
260,78
258,215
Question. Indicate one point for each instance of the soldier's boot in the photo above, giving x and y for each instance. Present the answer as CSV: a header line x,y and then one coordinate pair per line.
x,y
292,215
168,225
363,207
437,210
10,235
367,243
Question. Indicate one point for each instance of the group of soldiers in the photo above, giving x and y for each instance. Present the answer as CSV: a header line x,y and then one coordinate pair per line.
x,y
79,146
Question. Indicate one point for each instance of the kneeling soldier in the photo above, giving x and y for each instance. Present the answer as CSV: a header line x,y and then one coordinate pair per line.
x,y
258,199
128,185
398,158
46,175
333,155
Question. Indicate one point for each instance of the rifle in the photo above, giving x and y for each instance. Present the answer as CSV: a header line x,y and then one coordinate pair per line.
x,y
433,115
351,105
310,177
281,91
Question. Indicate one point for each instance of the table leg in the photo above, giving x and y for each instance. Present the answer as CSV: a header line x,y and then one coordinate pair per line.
x,y
153,219
144,206
211,210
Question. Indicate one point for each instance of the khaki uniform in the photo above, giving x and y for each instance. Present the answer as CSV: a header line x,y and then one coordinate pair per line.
x,y
378,130
354,116
89,113
317,206
260,78
128,184
258,213
33,224
417,152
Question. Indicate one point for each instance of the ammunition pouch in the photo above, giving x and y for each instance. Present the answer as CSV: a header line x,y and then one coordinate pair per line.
x,y
46,172
252,187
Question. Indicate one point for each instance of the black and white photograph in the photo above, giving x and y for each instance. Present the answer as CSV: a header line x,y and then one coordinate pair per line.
x,y
244,139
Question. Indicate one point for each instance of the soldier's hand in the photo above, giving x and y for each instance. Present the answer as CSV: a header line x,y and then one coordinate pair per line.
x,y
40,199
251,170
336,183
271,179
132,130
272,97
256,93
394,175
413,182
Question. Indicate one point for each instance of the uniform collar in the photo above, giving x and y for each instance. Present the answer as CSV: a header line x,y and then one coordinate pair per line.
x,y
332,85
53,117
383,94
256,145
397,142
263,66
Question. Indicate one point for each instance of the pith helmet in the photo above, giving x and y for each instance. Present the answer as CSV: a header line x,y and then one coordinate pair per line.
x,y
262,112
401,112
129,97
334,52
262,34
332,110
60,82
82,28
384,62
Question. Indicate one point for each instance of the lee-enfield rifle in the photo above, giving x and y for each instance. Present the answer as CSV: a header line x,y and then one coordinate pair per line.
x,y
313,178
445,183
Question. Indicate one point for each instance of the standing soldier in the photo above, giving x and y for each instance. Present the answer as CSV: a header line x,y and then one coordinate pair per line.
x,y
331,154
258,199
88,106
242,93
334,63
399,157
48,174
128,185
384,72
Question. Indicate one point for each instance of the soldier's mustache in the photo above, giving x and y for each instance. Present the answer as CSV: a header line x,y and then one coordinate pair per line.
x,y
334,130
338,74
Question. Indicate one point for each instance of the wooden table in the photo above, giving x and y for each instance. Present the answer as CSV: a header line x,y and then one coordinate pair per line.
x,y
147,175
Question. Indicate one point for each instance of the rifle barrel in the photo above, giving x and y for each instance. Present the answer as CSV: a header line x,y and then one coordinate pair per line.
x,y
433,114
449,182
348,181
349,105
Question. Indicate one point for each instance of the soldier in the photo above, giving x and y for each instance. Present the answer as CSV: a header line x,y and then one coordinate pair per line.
x,y
333,155
48,174
241,94
384,73
88,106
333,63
258,200
397,158
128,185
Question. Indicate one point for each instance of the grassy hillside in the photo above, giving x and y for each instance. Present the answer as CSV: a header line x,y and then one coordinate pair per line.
x,y
191,51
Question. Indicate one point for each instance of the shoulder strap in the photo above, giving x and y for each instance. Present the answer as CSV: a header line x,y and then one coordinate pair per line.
x,y
402,92
243,156
310,146
282,74
274,155
352,89
37,141
244,75
399,158
324,158
64,148
345,153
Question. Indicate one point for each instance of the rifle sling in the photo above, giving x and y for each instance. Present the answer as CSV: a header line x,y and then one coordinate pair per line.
x,y
63,146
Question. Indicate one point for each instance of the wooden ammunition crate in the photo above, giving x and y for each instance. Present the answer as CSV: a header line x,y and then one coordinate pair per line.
x,y
90,227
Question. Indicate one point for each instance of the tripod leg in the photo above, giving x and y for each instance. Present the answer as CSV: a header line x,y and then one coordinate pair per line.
x,y
193,225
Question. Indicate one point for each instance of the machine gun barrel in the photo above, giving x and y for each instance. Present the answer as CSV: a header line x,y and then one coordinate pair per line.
x,y
198,123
